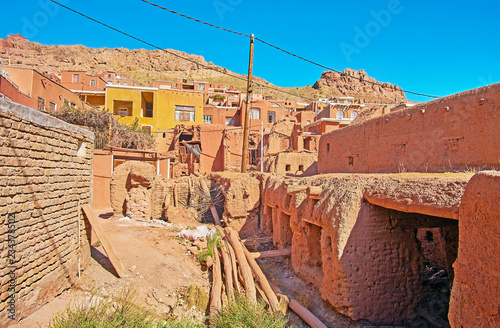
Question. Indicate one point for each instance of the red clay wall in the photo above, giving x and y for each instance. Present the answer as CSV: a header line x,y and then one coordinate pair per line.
x,y
45,174
212,152
363,265
453,133
475,296
102,164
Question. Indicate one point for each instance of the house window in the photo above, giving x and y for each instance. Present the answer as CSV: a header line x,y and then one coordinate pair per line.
x,y
207,119
147,99
76,78
117,82
109,82
125,83
41,104
288,168
122,108
146,129
351,161
184,113
328,148
255,113
340,115
301,168
354,115
201,87
271,116
229,121
308,121
52,107
92,83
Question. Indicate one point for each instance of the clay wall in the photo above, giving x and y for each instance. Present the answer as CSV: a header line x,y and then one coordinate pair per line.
x,y
45,174
364,265
475,295
293,164
212,150
458,132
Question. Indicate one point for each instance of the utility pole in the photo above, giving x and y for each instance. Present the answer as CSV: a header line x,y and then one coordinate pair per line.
x,y
261,146
247,110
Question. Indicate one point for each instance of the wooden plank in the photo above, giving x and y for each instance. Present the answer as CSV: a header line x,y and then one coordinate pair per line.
x,y
104,241
273,253
215,293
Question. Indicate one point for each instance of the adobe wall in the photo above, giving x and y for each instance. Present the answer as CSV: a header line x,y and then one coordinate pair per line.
x,y
212,152
363,264
45,173
475,296
293,164
458,132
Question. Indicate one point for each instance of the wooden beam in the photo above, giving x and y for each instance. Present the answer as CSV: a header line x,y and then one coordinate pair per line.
x,y
407,205
215,292
104,241
301,311
273,253
295,188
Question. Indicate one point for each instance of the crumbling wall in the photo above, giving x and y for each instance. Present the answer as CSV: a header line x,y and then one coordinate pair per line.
x,y
45,174
137,191
475,296
242,201
304,164
364,266
458,132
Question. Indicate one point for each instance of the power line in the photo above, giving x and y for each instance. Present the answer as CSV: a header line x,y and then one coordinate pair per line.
x,y
281,49
173,53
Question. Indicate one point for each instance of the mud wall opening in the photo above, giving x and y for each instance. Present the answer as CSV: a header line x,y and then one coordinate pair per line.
x,y
438,243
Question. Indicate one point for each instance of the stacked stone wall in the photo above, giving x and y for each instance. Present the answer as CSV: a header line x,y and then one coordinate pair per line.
x,y
45,173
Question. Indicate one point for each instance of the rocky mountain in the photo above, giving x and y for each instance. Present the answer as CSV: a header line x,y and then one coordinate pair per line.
x,y
146,66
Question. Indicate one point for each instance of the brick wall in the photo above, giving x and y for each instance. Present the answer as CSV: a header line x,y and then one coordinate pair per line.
x,y
457,132
45,171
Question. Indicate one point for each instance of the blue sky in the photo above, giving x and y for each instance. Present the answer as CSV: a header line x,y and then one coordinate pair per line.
x,y
427,46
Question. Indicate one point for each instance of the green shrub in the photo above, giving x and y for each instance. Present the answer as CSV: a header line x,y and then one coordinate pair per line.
x,y
99,312
242,313
211,242
183,323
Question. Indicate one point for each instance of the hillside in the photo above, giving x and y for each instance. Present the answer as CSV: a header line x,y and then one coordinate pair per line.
x,y
146,66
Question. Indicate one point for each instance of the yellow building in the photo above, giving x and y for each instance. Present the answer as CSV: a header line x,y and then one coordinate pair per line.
x,y
156,109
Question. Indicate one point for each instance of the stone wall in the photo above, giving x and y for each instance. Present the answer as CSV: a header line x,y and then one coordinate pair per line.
x,y
45,173
475,296
457,132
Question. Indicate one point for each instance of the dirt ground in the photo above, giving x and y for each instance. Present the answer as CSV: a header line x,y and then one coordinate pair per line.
x,y
160,265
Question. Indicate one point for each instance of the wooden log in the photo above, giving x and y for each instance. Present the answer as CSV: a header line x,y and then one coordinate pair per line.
x,y
260,240
213,210
228,272
245,270
104,241
215,293
295,188
301,311
261,277
234,268
273,253
176,199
